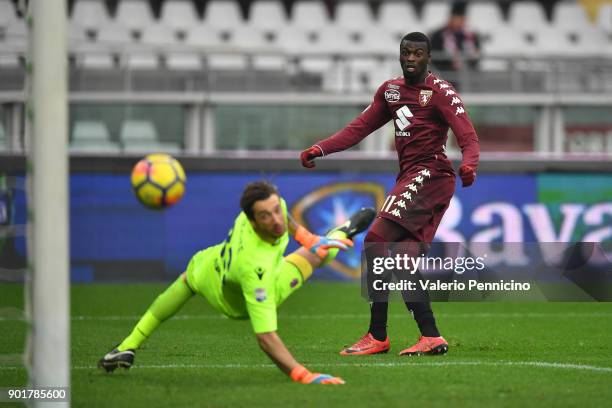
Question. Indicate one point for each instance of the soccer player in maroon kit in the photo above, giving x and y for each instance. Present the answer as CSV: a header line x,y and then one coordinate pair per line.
x,y
422,108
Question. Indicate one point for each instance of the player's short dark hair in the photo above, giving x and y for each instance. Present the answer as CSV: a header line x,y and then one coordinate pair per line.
x,y
458,8
417,36
253,192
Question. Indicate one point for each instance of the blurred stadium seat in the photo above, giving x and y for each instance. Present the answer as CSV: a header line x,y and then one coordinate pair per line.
x,y
134,14
89,17
527,17
179,15
90,136
13,30
268,15
484,18
141,136
389,15
223,14
108,49
3,138
570,18
310,14
352,15
435,15
604,18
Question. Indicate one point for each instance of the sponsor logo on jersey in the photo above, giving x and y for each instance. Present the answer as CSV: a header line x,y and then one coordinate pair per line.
x,y
260,294
425,97
392,86
392,95
402,133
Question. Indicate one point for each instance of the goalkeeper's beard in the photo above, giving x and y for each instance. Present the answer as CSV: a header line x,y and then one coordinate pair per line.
x,y
271,233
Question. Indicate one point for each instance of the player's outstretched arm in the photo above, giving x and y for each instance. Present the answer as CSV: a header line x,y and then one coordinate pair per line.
x,y
372,118
319,245
274,347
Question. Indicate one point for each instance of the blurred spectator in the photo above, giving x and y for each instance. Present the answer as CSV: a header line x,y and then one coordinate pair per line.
x,y
454,47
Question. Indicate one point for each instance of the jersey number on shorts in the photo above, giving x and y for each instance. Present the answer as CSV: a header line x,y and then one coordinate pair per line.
x,y
403,114
227,260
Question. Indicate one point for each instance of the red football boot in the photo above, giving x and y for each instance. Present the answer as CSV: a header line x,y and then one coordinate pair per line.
x,y
427,345
367,345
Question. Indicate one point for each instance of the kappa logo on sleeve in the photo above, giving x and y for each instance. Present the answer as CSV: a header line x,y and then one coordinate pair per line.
x,y
260,294
425,97
392,95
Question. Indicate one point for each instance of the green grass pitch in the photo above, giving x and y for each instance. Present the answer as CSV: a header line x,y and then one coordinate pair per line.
x,y
501,354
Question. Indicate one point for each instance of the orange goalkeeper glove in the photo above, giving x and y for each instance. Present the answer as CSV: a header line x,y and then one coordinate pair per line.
x,y
320,245
302,375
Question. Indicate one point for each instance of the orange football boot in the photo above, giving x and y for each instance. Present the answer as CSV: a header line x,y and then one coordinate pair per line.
x,y
367,345
427,345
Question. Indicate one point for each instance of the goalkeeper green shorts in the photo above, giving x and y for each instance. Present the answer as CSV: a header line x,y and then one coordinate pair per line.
x,y
204,280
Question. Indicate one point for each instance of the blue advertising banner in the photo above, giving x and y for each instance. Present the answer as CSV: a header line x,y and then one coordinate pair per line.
x,y
113,237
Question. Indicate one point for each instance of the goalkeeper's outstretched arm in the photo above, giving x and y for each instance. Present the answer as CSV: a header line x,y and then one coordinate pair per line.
x,y
274,347
316,244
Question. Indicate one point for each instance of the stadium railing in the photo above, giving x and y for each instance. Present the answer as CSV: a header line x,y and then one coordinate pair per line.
x,y
196,123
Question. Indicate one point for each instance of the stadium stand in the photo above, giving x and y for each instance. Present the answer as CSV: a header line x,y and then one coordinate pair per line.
x,y
485,19
223,14
89,17
134,14
353,15
338,50
268,15
179,15
604,18
435,14
310,47
141,136
3,138
94,137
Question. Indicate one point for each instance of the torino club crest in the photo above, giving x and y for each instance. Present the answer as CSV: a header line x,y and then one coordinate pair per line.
x,y
425,97
330,206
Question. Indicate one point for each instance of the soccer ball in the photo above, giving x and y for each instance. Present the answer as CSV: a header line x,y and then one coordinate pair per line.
x,y
158,181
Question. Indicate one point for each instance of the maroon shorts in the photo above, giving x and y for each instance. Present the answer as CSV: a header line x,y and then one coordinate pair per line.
x,y
418,201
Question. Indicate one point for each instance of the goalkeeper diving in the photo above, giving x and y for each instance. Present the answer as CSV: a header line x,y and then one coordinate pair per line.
x,y
247,277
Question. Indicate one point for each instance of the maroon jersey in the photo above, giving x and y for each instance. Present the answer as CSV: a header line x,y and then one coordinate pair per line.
x,y
421,115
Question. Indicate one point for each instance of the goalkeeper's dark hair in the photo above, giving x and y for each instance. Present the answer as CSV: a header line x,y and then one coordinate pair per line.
x,y
256,191
417,36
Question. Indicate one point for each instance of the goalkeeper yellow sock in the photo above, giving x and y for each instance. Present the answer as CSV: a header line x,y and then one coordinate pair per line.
x,y
301,263
146,325
164,307
331,253
304,265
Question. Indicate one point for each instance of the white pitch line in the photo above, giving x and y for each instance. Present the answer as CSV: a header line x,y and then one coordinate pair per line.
x,y
536,364
347,316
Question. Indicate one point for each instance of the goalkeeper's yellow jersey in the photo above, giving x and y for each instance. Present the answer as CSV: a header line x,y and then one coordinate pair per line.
x,y
238,277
